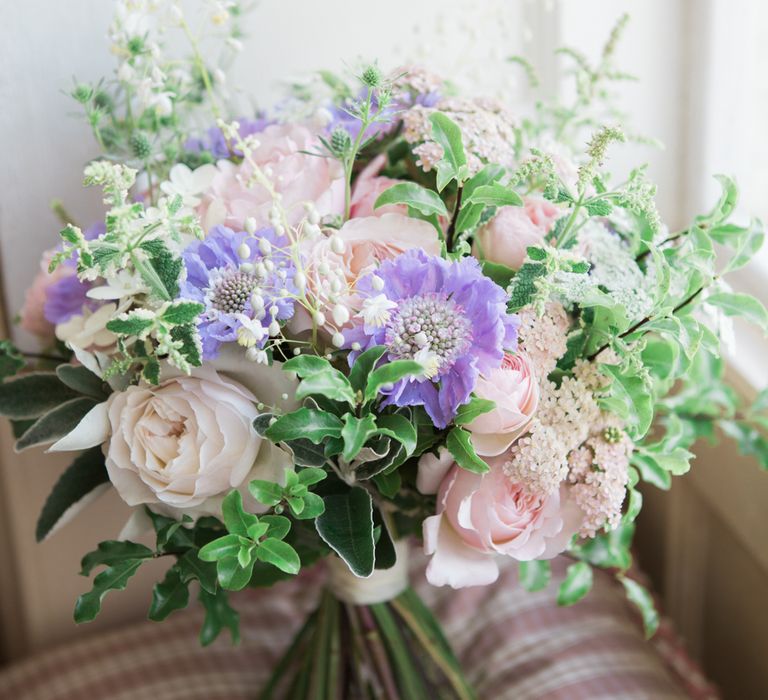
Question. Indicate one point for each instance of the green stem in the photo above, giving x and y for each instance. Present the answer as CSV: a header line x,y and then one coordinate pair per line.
x,y
431,643
287,659
349,161
562,239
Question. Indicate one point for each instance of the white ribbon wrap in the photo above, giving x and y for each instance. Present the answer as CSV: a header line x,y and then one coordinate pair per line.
x,y
380,586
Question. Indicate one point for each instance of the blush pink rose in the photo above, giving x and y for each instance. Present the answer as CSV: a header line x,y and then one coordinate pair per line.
x,y
506,237
368,186
32,314
515,390
367,242
480,516
284,155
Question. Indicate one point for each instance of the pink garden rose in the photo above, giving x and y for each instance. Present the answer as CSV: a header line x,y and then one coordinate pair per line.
x,y
367,241
480,516
296,175
506,237
368,186
515,390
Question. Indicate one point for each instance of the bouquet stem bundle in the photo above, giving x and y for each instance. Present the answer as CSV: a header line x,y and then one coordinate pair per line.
x,y
391,650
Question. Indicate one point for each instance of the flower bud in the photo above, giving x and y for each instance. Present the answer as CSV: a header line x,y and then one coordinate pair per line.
x,y
337,339
340,314
337,245
300,280
274,328
265,247
243,251
250,225
319,318
377,283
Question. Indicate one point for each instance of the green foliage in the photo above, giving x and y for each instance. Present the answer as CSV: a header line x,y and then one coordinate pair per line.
x,y
311,424
577,583
80,479
250,538
122,560
295,494
415,196
83,381
453,165
11,360
32,395
642,599
55,424
388,374
472,409
218,615
346,526
534,575
459,444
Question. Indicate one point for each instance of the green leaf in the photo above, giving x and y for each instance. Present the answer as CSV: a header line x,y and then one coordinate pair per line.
x,y
306,454
55,424
355,434
633,392
221,548
313,506
309,423
389,374
267,492
161,272
171,594
643,600
495,195
388,483
311,476
235,518
453,164
231,575
419,198
364,364
31,395
534,575
83,381
193,568
80,479
151,371
746,245
347,527
11,360
278,526
218,615
500,274
651,471
577,582
182,312
399,428
459,444
113,578
191,347
279,554
523,286
472,409
330,383
130,324
307,365
113,552
744,305
598,207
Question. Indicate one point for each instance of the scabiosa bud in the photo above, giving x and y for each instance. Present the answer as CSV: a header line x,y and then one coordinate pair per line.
x,y
140,146
612,435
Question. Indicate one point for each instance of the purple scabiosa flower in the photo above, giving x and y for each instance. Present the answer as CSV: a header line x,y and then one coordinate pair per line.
x,y
240,279
67,295
216,144
446,315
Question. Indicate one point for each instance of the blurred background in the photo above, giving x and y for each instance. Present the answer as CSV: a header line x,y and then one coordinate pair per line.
x,y
701,90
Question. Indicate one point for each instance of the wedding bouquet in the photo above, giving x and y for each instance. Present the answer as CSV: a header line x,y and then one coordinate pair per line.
x,y
376,313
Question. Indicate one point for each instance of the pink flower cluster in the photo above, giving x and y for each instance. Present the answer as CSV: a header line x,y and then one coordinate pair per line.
x,y
558,465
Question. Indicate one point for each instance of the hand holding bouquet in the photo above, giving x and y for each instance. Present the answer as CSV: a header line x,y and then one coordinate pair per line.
x,y
379,312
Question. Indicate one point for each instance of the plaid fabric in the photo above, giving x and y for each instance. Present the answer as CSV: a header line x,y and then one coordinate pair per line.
x,y
512,644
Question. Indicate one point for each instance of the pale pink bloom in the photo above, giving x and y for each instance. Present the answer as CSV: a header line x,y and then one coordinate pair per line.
x,y
32,313
507,236
480,516
514,388
368,186
285,156
367,242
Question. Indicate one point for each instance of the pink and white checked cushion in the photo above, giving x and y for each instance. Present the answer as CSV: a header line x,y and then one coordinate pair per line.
x,y
513,644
